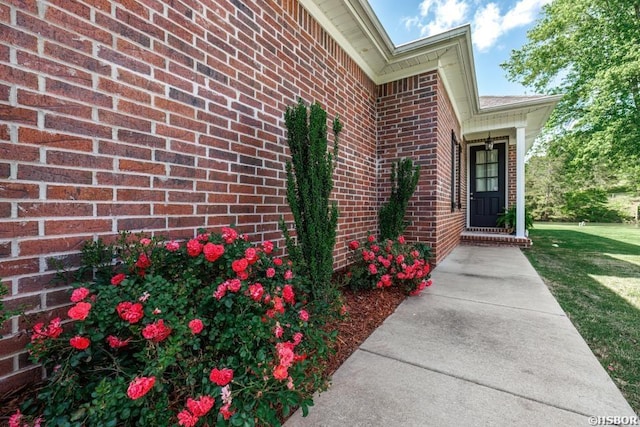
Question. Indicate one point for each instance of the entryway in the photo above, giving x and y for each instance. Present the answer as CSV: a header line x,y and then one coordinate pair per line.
x,y
486,185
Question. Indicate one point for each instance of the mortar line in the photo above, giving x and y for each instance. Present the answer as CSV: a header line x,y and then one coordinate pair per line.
x,y
475,382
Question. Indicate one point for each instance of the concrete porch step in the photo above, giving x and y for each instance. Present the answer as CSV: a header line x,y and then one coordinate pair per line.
x,y
492,236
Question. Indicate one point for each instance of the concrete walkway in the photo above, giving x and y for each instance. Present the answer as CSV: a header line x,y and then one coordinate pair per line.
x,y
486,345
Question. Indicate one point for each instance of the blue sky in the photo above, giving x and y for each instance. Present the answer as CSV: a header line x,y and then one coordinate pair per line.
x,y
497,27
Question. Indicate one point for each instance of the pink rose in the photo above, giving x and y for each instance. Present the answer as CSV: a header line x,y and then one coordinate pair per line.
x,y
115,342
278,306
221,377
255,291
234,285
130,312
353,245
304,315
172,246
212,252
53,330
187,419
79,294
145,241
156,332
79,343
226,412
280,373
143,261
80,311
229,235
267,247
200,407
288,275
117,279
285,353
278,331
288,294
240,265
371,238
271,272
277,261
373,269
140,386
196,326
251,255
221,291
194,248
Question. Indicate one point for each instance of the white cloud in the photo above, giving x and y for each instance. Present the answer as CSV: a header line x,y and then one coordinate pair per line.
x,y
487,26
488,23
425,5
436,16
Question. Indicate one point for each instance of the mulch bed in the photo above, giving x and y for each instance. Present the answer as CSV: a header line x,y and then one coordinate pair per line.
x,y
366,311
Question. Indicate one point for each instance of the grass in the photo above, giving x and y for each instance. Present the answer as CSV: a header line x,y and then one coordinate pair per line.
x,y
594,273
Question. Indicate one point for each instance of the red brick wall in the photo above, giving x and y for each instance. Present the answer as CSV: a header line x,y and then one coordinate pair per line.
x,y
415,120
163,117
511,174
449,222
407,119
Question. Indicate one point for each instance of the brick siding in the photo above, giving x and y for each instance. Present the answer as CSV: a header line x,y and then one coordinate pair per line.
x,y
156,116
512,165
415,120
162,117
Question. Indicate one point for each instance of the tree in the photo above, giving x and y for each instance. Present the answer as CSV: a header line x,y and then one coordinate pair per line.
x,y
588,51
309,185
546,184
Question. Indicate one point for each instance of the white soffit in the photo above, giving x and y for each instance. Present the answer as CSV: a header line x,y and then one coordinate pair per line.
x,y
355,27
508,112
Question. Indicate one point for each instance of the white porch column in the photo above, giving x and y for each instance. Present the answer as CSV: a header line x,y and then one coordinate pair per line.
x,y
520,149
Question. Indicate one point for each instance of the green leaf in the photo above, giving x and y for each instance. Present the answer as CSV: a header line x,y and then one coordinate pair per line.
x,y
76,415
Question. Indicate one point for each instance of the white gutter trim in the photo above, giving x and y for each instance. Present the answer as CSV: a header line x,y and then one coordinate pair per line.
x,y
543,101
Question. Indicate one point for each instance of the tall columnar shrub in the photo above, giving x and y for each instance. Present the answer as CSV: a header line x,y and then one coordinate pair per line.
x,y
404,180
309,185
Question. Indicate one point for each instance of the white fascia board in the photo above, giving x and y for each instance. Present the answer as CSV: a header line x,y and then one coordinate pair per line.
x,y
529,104
325,23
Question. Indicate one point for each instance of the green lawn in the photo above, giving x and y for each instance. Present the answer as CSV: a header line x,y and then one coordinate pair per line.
x,y
594,273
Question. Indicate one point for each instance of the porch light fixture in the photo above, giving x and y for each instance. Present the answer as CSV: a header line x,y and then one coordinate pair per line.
x,y
488,144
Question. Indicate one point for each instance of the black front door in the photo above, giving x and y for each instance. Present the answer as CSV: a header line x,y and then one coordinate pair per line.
x,y
486,185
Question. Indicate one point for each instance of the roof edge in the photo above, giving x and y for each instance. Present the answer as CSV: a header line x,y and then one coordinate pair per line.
x,y
544,100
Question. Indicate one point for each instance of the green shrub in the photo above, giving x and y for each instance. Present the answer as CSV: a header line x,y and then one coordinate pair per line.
x,y
389,263
508,219
404,180
309,185
212,332
5,314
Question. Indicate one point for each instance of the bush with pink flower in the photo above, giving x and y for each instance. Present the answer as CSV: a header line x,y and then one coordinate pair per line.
x,y
389,263
210,331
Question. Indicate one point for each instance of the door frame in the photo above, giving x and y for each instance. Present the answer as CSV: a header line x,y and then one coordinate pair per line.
x,y
499,140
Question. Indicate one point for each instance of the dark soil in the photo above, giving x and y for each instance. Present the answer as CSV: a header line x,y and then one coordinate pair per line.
x,y
366,311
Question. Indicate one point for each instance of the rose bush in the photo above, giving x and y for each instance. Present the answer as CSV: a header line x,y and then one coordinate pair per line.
x,y
389,263
214,331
